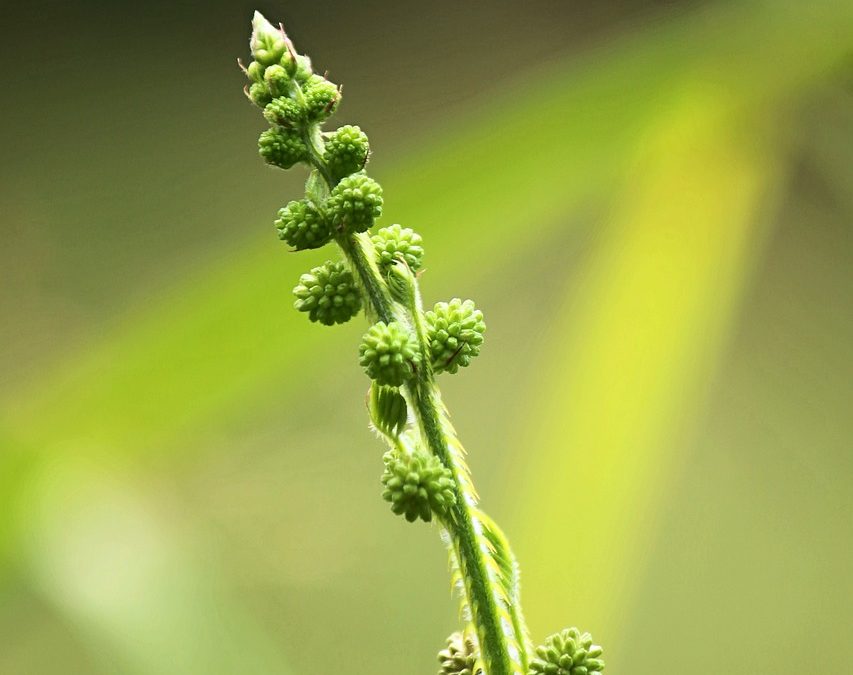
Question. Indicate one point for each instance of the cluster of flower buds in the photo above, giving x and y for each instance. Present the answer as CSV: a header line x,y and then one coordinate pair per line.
x,y
406,347
568,652
417,485
296,101
460,656
341,203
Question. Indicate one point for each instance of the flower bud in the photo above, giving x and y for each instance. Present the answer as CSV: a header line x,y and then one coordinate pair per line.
x,y
460,655
284,112
389,353
328,293
355,203
255,72
395,243
267,43
346,151
455,330
321,98
277,80
260,94
282,147
302,226
303,69
568,652
418,485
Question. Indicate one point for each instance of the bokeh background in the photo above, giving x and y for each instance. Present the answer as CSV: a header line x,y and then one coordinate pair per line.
x,y
652,203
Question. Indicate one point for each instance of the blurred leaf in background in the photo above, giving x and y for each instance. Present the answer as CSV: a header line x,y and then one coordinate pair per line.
x,y
658,203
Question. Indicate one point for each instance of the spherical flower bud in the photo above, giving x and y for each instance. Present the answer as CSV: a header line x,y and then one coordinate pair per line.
x,y
455,330
328,293
277,80
460,655
281,147
321,98
255,72
285,112
568,652
355,203
418,485
260,94
267,43
395,243
389,353
346,151
302,226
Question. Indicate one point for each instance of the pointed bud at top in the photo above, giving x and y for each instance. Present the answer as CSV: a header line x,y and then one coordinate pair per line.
x,y
268,43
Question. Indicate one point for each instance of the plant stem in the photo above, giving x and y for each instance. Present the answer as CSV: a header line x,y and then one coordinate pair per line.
x,y
423,391
480,595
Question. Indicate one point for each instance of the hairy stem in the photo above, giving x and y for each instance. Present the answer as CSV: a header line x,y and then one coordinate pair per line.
x,y
424,393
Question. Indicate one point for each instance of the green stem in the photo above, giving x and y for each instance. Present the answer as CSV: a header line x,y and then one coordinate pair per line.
x,y
481,596
423,392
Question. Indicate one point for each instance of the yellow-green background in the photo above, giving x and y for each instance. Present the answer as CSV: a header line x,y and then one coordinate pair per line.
x,y
650,201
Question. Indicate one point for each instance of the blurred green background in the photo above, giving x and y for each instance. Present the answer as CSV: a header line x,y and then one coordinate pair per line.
x,y
650,201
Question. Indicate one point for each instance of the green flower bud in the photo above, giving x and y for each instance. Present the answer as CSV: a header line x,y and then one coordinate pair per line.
x,y
281,147
568,652
388,409
418,486
321,98
302,226
395,243
355,203
284,112
277,80
255,72
303,69
328,293
260,94
455,330
389,353
460,656
346,151
267,43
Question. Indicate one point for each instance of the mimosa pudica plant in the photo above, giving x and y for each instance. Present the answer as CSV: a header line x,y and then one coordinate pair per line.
x,y
425,476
